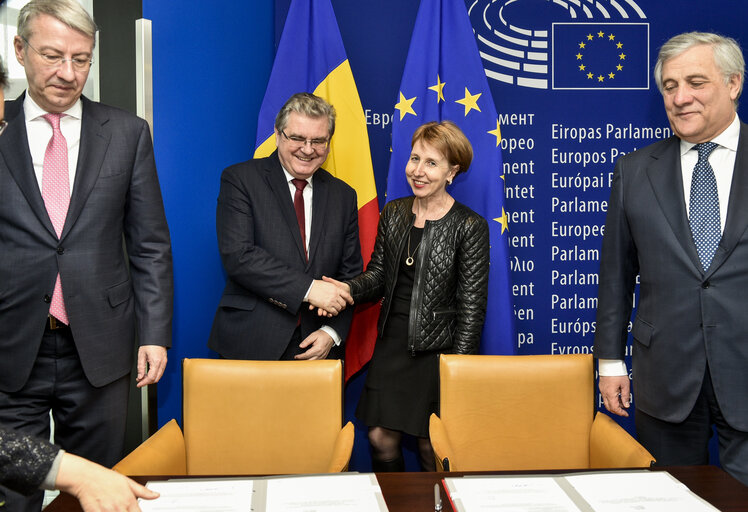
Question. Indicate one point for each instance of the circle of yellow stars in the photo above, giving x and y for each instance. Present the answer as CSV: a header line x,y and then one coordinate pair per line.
x,y
589,40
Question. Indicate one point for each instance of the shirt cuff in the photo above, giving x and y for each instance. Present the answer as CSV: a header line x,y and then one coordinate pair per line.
x,y
306,295
333,334
611,367
49,481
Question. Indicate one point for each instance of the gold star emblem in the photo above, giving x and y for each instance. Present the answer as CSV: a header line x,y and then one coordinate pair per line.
x,y
590,75
438,89
619,45
496,133
581,67
619,67
590,37
611,75
622,56
503,220
600,34
581,45
470,101
611,37
405,106
600,78
579,56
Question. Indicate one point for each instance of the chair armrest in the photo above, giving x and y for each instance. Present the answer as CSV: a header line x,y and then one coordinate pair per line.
x,y
440,444
341,453
161,454
612,447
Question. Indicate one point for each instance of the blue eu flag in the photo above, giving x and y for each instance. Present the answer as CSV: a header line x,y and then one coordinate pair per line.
x,y
444,80
600,55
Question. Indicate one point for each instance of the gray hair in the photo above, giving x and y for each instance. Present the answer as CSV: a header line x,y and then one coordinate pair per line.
x,y
308,105
69,12
727,55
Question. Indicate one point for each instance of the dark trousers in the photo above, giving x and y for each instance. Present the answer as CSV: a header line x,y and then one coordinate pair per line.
x,y
293,348
687,443
89,421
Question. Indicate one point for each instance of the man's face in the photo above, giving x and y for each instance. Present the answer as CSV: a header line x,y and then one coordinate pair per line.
x,y
698,102
53,88
301,159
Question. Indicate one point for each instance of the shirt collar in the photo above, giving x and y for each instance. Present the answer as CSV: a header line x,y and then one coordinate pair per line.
x,y
33,111
727,139
290,177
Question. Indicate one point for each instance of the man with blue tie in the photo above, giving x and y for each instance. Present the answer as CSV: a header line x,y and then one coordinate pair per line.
x,y
86,270
678,217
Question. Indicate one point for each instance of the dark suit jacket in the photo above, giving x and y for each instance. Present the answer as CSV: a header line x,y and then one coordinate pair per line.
x,y
686,318
24,461
262,253
110,294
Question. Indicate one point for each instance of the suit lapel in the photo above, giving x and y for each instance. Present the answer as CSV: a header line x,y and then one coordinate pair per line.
x,y
666,178
319,205
14,148
737,206
93,147
276,180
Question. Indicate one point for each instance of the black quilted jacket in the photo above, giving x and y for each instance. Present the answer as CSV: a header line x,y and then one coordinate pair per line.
x,y
448,304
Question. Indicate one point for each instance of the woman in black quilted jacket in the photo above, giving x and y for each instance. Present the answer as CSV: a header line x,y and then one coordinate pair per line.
x,y
430,269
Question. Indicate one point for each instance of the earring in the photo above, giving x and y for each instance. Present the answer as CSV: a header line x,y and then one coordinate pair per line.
x,y
449,181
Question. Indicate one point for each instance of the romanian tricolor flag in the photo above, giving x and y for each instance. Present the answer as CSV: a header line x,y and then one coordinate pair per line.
x,y
311,58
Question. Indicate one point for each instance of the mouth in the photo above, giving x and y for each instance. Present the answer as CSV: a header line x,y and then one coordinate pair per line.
x,y
419,183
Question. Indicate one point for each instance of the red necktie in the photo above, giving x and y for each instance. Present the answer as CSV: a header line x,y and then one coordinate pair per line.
x,y
56,195
298,205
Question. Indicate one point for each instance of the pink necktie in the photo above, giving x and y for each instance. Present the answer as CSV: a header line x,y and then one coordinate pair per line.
x,y
56,195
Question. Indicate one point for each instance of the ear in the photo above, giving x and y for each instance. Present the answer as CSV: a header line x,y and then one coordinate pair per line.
x,y
277,137
734,86
18,46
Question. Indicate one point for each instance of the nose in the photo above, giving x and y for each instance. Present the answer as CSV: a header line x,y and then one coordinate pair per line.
x,y
682,96
65,70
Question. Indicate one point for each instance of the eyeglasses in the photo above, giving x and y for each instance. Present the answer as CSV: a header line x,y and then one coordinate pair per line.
x,y
54,61
3,126
316,144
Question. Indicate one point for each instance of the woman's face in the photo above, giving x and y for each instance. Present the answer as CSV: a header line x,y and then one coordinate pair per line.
x,y
428,171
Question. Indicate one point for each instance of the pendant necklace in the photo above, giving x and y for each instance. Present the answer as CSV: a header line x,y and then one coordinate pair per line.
x,y
409,260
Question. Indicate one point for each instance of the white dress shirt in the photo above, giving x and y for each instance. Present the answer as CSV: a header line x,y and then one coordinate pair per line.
x,y
308,194
39,133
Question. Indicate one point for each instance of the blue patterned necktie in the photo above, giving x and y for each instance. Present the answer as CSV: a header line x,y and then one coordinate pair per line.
x,y
703,208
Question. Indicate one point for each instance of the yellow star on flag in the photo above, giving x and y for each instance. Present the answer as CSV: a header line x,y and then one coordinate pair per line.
x,y
503,220
405,106
438,89
619,67
496,133
611,37
590,37
600,34
470,101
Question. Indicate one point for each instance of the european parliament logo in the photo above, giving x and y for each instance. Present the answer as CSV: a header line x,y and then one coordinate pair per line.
x,y
536,44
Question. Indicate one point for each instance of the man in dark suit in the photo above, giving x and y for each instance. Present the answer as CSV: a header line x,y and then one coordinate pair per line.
x,y
283,223
678,217
77,183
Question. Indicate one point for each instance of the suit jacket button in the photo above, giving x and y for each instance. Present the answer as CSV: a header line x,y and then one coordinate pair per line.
x,y
705,285
47,299
60,250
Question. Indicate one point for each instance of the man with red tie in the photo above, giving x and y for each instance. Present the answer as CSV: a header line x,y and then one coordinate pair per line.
x,y
283,222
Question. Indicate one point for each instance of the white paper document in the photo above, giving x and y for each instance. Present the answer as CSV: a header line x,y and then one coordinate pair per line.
x,y
619,491
219,495
650,491
331,493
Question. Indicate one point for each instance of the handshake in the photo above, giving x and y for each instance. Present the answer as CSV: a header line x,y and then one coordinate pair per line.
x,y
329,296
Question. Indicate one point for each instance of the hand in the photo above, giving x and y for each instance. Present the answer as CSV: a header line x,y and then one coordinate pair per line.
x,y
318,343
616,394
151,359
99,489
328,297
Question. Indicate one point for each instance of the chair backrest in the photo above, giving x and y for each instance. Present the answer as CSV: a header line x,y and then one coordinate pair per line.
x,y
517,412
261,417
160,454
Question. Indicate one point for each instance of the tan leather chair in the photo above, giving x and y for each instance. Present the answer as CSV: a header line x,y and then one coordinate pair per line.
x,y
262,417
161,454
524,413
